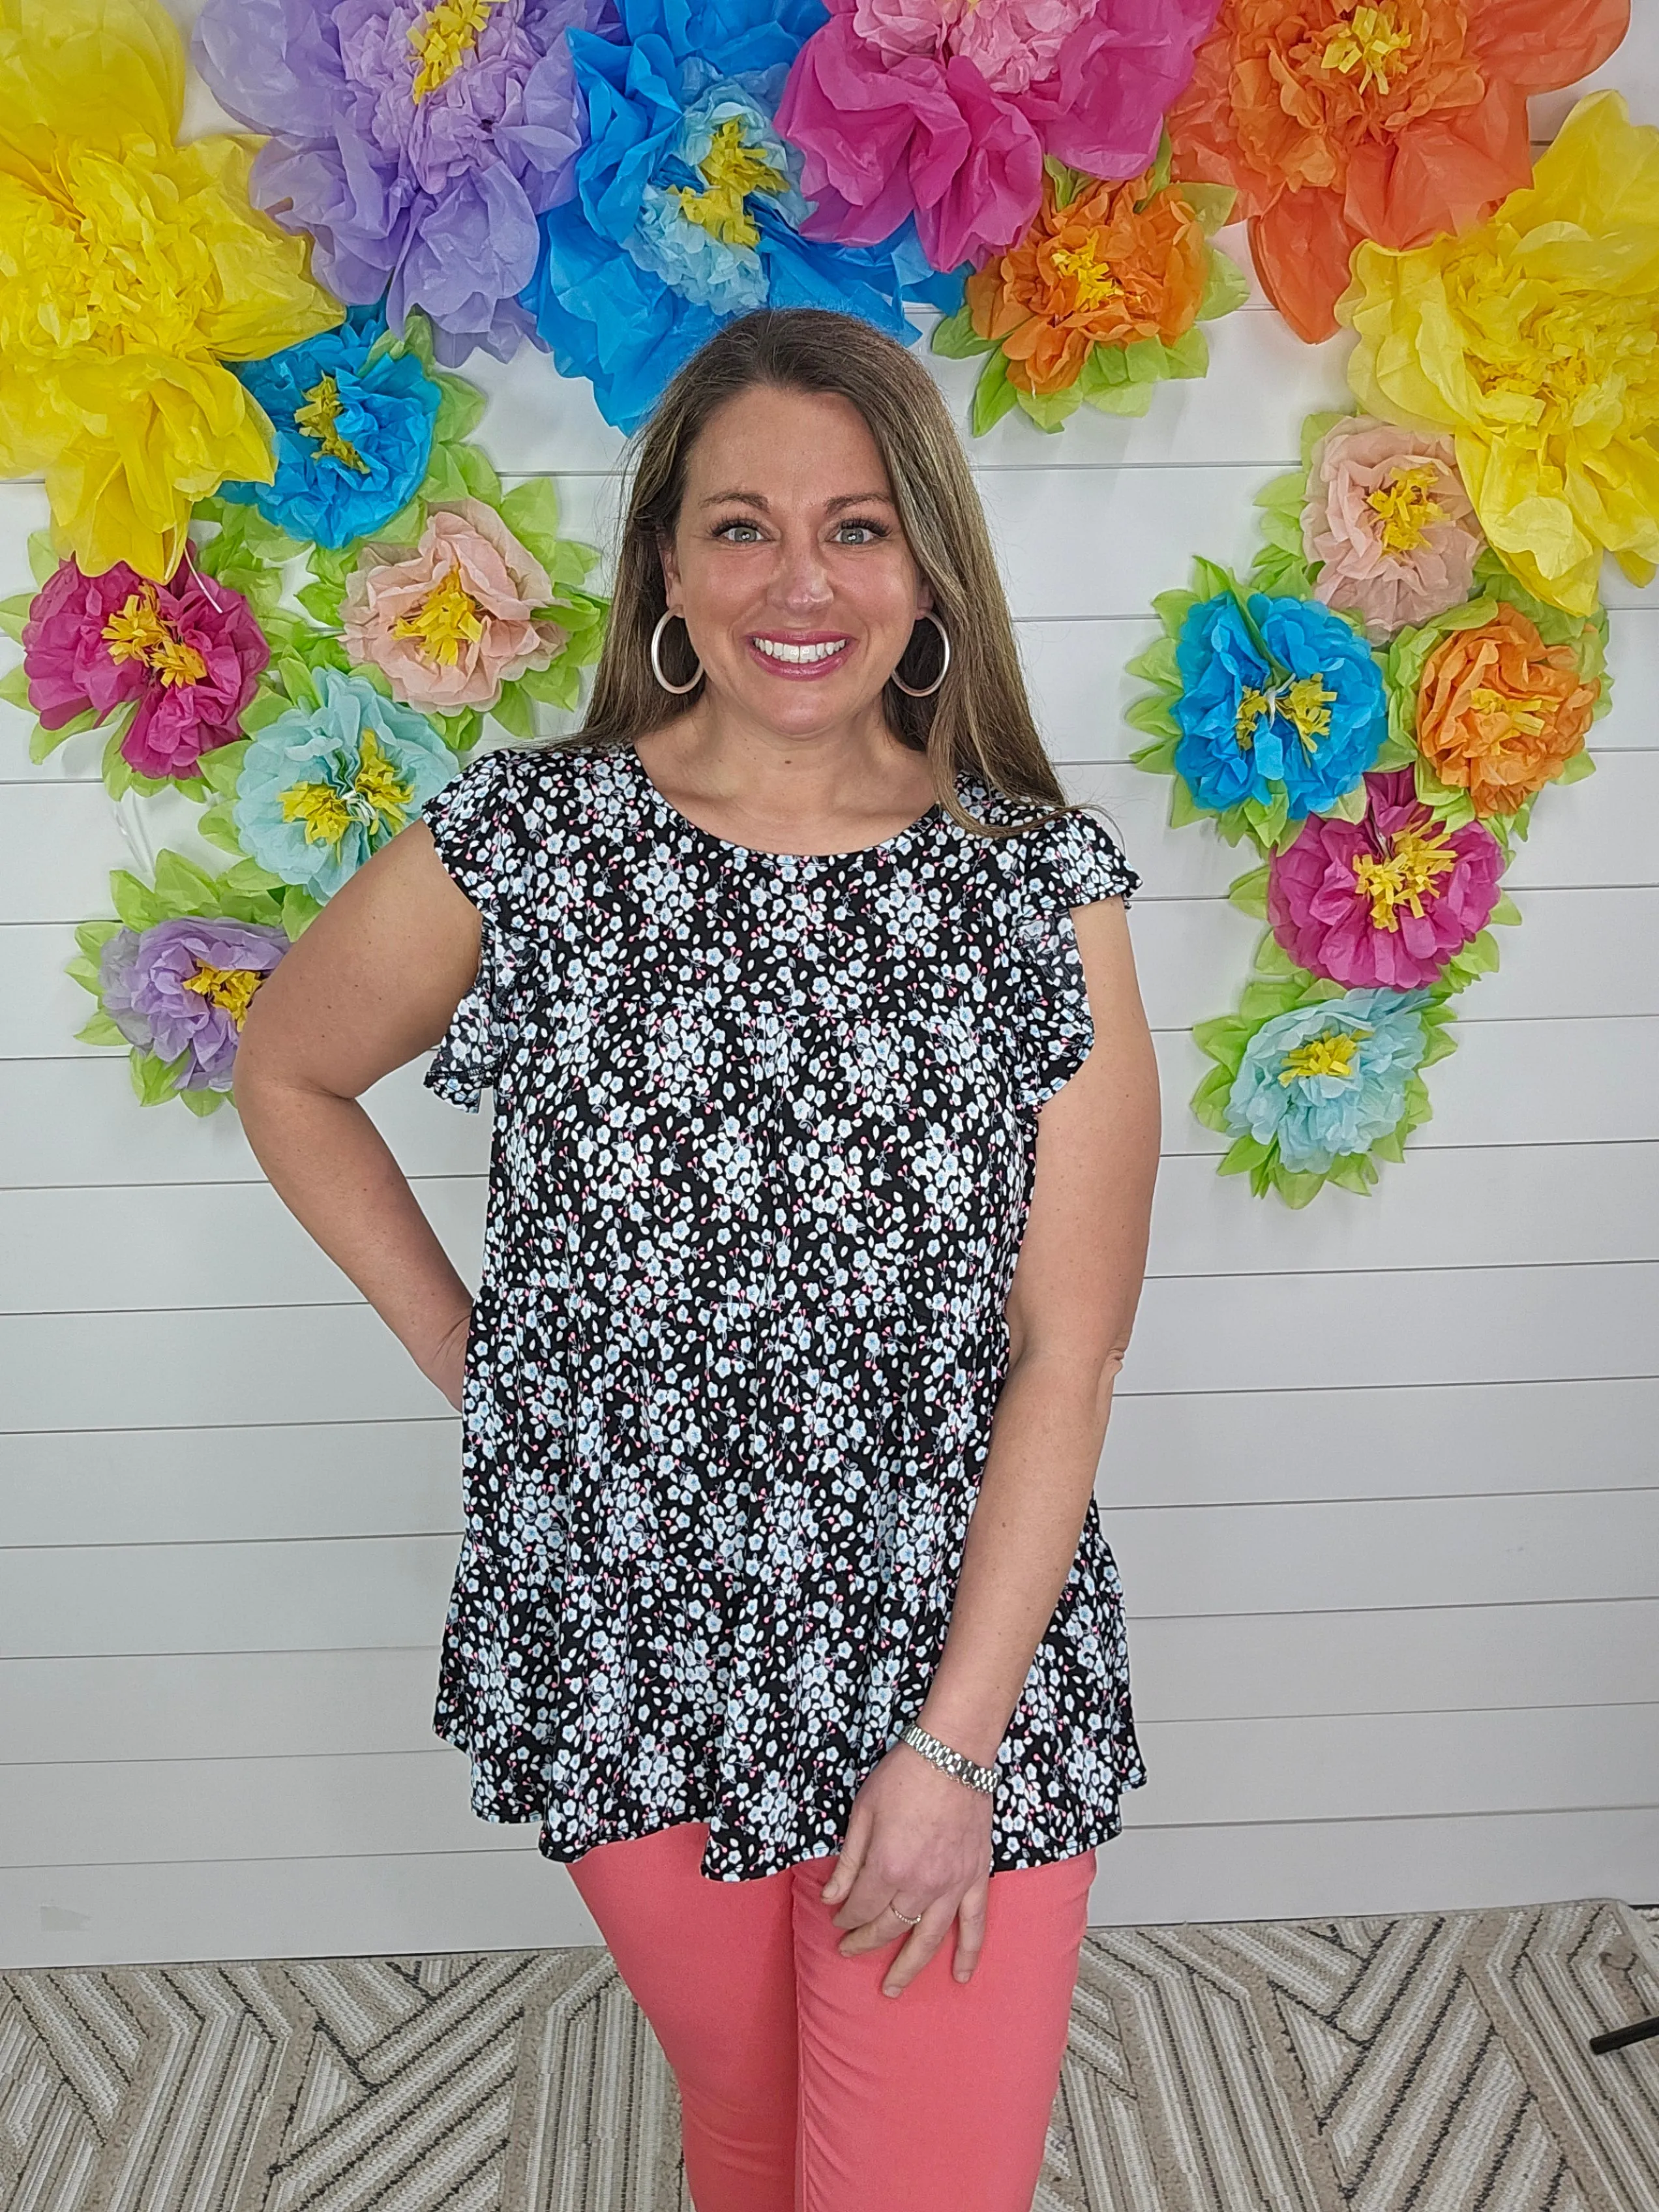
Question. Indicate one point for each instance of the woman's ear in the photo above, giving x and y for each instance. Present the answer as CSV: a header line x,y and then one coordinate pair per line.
x,y
671,573
924,597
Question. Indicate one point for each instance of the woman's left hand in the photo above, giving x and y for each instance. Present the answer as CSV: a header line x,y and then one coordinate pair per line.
x,y
918,1843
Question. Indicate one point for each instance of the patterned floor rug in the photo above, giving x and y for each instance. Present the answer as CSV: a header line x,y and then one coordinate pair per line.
x,y
1424,2064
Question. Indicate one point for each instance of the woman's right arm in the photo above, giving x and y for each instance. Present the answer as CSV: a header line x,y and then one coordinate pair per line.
x,y
372,982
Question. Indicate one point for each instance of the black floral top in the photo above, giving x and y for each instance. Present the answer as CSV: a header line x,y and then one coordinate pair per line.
x,y
764,1143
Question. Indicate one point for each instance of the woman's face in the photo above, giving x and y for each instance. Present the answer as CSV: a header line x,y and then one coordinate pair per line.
x,y
795,583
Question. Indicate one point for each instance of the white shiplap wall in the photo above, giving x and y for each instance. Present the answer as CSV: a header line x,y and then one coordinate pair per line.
x,y
1382,1477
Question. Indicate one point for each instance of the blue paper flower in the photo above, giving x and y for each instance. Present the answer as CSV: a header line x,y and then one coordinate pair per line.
x,y
322,788
1326,1080
353,432
687,206
1307,718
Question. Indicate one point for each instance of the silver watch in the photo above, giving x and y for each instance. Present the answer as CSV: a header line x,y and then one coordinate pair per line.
x,y
982,1778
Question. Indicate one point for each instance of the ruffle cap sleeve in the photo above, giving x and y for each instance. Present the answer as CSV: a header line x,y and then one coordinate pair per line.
x,y
1071,861
476,827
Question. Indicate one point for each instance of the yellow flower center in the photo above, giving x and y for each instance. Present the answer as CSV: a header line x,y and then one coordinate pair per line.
x,y
138,630
448,619
1305,704
442,40
1406,510
1371,40
374,800
1330,1054
1525,717
316,421
229,987
1413,867
1092,279
731,170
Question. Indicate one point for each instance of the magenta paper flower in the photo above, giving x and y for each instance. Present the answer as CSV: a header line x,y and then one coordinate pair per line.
x,y
189,653
456,618
181,989
1386,902
943,110
1388,515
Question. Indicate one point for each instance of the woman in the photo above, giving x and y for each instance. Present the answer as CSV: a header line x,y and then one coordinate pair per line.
x,y
825,1131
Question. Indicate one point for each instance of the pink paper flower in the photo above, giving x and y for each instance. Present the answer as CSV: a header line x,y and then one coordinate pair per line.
x,y
448,624
1388,515
189,653
943,110
1386,901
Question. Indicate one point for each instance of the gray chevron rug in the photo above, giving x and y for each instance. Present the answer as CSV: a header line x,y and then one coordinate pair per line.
x,y
1424,2064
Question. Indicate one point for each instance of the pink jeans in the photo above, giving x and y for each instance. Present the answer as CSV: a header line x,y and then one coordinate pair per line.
x,y
802,2089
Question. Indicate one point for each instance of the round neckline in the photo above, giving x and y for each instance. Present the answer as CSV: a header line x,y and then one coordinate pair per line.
x,y
683,822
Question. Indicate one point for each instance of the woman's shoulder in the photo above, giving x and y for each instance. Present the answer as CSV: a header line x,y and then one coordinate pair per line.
x,y
532,792
1056,857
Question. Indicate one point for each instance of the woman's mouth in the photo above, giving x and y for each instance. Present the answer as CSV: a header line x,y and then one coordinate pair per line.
x,y
798,657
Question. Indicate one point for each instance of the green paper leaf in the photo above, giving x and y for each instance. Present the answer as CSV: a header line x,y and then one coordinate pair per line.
x,y
299,911
135,903
1049,411
43,562
1245,1153
92,936
1214,205
1067,183
1505,913
203,1103
14,612
478,474
993,395
1157,664
1151,714
1352,1171
1172,609
1146,360
1226,287
14,688
1272,958
460,407
100,1030
1248,893
1353,806
154,1081
247,877
220,767
1296,1190
531,512
1188,356
1580,765
954,336
444,480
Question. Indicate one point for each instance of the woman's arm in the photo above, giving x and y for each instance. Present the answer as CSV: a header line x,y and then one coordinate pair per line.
x,y
372,982
916,1836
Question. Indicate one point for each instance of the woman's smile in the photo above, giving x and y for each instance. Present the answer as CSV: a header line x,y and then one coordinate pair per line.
x,y
799,655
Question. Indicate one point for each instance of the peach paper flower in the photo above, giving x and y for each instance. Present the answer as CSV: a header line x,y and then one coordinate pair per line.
x,y
1500,713
1388,516
1394,120
451,623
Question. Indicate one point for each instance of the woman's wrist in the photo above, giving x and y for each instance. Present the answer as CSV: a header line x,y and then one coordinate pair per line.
x,y
964,1725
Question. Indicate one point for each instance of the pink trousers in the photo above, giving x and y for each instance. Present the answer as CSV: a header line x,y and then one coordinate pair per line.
x,y
802,2089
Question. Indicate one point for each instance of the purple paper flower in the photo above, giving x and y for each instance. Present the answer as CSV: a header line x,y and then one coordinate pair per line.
x,y
189,653
182,988
418,144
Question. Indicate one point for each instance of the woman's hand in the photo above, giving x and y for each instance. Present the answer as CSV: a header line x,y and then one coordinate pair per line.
x,y
447,1364
918,1843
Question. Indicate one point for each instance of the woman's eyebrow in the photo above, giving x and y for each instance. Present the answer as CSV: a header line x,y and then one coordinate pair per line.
x,y
758,500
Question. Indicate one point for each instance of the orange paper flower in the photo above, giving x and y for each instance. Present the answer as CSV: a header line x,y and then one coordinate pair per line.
x,y
1097,272
1500,713
1338,120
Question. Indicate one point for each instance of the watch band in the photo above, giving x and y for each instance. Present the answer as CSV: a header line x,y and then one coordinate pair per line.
x,y
982,1778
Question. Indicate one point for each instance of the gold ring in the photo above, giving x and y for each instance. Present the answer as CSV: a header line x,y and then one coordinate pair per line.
x,y
905,1917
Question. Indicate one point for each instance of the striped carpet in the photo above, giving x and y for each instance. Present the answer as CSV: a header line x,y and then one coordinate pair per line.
x,y
1424,2064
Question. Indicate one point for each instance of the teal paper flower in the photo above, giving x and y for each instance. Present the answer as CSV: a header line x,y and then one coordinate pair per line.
x,y
1327,1080
325,784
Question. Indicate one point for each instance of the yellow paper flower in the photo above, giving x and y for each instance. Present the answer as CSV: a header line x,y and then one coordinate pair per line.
x,y
131,269
1535,341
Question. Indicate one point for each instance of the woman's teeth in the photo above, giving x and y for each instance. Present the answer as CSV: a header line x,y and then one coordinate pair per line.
x,y
776,648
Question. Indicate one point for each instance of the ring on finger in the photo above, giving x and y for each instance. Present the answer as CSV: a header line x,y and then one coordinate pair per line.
x,y
905,1917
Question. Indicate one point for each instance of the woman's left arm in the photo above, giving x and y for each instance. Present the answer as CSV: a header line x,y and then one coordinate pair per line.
x,y
918,1839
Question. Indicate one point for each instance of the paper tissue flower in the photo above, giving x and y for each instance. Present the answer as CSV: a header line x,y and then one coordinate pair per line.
x,y
417,143
185,658
1531,341
323,786
1499,713
1325,1081
1389,901
1389,525
133,268
943,109
1341,120
688,209
182,989
1099,300
1269,709
353,415
459,616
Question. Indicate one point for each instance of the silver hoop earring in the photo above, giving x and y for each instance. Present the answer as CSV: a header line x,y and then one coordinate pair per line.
x,y
927,691
656,659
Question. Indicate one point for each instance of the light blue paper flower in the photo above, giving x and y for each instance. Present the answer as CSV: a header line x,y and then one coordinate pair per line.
x,y
1329,1079
322,788
1308,718
688,209
353,432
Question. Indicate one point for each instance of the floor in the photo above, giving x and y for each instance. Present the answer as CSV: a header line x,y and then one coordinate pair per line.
x,y
1430,2063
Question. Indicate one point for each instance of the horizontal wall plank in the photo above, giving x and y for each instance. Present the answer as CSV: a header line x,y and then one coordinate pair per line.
x,y
1201,1562
400,1904
1242,1667
177,1246
1267,1332
1380,1766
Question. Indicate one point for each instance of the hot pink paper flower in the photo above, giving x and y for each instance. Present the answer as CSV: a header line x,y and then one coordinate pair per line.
x,y
189,652
943,110
448,624
1386,901
1388,515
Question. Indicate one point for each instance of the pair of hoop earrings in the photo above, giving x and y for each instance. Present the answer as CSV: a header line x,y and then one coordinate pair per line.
x,y
910,691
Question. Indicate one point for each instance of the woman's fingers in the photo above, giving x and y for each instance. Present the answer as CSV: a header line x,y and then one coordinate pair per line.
x,y
924,1941
970,1930
850,1864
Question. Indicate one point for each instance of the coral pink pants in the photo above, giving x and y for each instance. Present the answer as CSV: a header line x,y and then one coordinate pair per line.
x,y
802,2089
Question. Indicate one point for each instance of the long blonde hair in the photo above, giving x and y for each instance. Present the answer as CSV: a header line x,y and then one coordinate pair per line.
x,y
979,722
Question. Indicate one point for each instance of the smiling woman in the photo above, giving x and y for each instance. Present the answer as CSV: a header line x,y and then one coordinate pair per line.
x,y
825,1127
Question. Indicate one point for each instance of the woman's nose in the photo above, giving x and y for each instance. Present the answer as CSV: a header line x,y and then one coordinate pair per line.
x,y
801,579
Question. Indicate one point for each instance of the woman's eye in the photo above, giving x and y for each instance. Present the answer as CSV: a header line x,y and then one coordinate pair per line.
x,y
859,533
738,532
